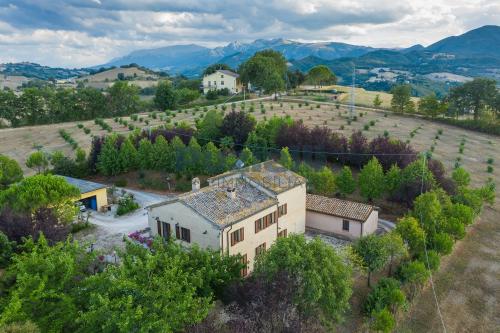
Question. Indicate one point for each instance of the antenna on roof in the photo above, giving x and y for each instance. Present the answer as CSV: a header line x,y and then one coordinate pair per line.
x,y
239,164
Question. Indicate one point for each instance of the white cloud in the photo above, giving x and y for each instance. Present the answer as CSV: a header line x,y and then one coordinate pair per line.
x,y
89,32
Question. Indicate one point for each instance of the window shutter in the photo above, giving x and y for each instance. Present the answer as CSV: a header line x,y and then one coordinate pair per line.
x,y
177,232
158,227
232,238
188,236
242,230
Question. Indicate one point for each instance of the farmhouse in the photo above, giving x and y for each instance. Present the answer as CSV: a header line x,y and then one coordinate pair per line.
x,y
344,218
221,79
92,195
242,211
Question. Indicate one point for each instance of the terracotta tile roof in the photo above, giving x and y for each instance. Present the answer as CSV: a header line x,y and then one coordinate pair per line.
x,y
337,207
214,203
269,174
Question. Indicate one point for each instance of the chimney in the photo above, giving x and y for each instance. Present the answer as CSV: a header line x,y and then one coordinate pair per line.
x,y
231,193
195,184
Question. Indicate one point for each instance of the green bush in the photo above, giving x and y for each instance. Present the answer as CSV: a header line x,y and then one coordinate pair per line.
x,y
489,169
366,127
86,130
126,205
372,123
490,160
386,133
80,126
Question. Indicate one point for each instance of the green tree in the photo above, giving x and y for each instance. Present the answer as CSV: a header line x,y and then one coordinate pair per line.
x,y
392,180
10,171
38,161
382,321
109,159
442,243
123,98
179,150
195,157
208,129
163,155
377,102
474,97
430,106
401,101
213,159
128,156
395,248
286,159
323,181
186,95
165,97
264,70
461,177
414,273
274,83
386,295
371,180
6,250
411,232
42,192
320,75
237,125
428,210
323,278
145,154
373,252
345,182
246,156
54,305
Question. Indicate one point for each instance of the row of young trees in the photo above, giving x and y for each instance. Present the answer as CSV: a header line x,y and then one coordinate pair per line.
x,y
429,231
47,105
479,98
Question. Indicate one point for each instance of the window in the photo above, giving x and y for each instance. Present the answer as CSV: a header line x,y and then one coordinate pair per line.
x,y
265,222
209,83
222,76
215,83
260,249
237,236
221,83
282,210
186,235
345,225
244,271
282,233
165,230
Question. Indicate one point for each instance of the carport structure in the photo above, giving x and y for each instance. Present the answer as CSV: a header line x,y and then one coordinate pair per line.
x,y
92,195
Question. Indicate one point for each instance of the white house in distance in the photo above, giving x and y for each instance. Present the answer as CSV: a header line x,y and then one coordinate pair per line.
x,y
341,217
221,79
242,211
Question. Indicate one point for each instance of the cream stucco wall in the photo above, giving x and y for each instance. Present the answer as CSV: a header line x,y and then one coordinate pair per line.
x,y
333,224
177,212
219,80
101,197
215,238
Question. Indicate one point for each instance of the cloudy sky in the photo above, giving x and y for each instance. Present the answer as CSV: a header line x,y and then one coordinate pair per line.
x,y
76,33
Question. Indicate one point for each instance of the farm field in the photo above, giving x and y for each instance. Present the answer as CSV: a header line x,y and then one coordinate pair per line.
x,y
478,147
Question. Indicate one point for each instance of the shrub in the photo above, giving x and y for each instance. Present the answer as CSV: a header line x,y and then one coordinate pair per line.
x,y
134,117
490,160
366,127
80,126
86,130
461,150
489,169
440,131
386,133
341,127
382,321
131,127
126,205
372,123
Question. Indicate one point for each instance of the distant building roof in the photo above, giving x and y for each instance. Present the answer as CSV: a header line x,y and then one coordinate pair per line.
x,y
84,186
269,174
216,204
227,72
336,207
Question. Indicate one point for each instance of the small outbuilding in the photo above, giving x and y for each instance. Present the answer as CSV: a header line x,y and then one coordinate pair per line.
x,y
345,218
92,195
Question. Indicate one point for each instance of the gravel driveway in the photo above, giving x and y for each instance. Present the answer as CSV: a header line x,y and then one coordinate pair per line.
x,y
109,230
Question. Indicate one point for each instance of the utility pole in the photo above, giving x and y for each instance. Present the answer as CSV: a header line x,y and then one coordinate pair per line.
x,y
352,106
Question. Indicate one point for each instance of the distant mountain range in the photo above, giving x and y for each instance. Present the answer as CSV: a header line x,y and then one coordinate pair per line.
x,y
478,48
474,53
